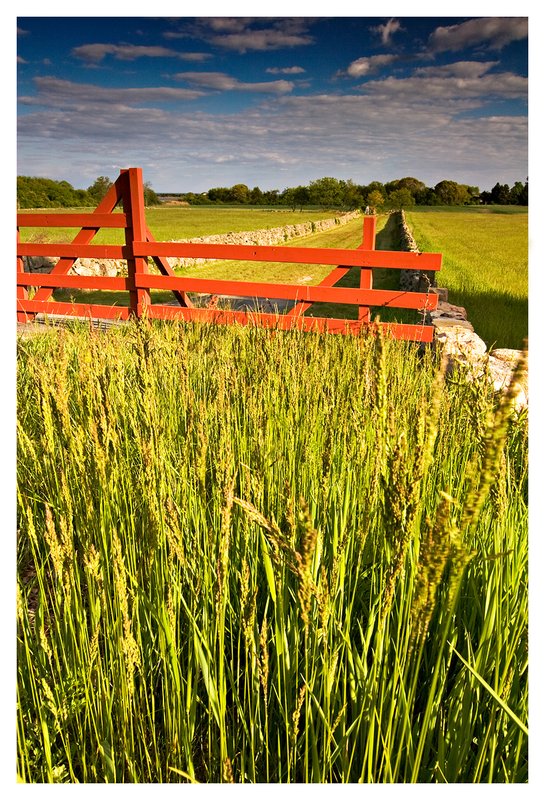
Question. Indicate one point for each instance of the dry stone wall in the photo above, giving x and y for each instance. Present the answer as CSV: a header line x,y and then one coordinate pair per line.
x,y
265,236
455,336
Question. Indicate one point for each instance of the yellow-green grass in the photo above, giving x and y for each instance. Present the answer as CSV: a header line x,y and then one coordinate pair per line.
x,y
266,557
485,266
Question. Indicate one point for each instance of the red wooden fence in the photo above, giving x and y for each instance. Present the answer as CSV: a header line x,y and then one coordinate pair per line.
x,y
140,246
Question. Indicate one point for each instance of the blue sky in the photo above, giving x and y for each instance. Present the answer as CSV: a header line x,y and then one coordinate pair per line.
x,y
273,101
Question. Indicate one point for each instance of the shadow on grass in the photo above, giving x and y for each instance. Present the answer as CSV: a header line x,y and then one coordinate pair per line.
x,y
500,319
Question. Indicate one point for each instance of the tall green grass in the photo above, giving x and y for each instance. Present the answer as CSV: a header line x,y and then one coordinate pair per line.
x,y
254,556
485,266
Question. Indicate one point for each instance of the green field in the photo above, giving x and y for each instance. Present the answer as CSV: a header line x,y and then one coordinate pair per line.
x,y
485,266
254,556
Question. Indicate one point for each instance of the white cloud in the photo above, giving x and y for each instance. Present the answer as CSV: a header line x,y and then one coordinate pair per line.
x,y
285,70
58,93
195,56
437,88
459,69
250,34
284,141
95,53
219,81
387,30
366,64
491,32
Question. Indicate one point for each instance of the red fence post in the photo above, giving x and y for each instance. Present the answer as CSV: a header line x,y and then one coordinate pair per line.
x,y
366,275
22,291
133,205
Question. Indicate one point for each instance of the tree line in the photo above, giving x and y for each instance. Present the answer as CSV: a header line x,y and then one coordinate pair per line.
x,y
326,192
47,193
335,193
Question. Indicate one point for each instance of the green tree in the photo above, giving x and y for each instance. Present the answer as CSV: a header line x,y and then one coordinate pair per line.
x,y
400,198
500,194
256,196
327,192
219,194
150,197
518,195
426,197
375,199
98,190
451,193
352,195
271,197
35,192
240,193
374,186
412,184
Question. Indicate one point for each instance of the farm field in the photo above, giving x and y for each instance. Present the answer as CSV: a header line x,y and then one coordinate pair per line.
x,y
485,266
251,556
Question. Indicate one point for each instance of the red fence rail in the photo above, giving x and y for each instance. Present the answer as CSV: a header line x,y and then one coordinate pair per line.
x,y
140,246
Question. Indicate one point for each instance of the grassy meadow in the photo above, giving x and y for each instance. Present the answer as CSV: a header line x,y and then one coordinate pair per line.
x,y
254,556
485,265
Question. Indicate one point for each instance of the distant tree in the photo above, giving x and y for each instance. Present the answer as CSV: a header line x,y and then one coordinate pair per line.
x,y
352,195
391,186
150,197
473,194
374,186
219,194
518,195
500,194
400,198
375,199
296,196
271,197
326,192
426,197
240,193
412,184
98,190
451,193
256,196
46,193
301,196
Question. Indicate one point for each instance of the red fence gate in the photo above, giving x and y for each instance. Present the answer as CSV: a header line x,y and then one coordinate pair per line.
x,y
140,246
